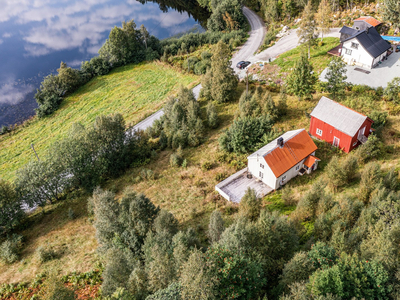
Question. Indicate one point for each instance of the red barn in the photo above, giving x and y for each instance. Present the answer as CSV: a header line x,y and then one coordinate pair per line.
x,y
339,125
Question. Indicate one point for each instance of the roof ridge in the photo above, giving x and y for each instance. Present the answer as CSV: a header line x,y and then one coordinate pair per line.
x,y
276,146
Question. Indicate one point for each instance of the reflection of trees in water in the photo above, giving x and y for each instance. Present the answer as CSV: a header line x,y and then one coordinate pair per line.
x,y
190,6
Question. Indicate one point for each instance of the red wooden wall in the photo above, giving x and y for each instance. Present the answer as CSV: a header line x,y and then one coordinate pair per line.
x,y
329,132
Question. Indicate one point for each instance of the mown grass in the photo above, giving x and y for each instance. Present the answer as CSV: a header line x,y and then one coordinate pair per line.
x,y
319,57
135,91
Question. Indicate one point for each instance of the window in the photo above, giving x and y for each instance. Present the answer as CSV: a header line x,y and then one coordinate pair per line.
x,y
354,45
357,28
284,178
261,166
297,167
261,175
348,51
319,132
355,144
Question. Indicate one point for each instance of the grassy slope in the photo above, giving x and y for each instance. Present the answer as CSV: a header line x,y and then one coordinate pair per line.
x,y
319,57
135,91
187,192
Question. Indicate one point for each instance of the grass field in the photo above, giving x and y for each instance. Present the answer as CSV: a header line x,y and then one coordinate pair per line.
x,y
135,91
319,57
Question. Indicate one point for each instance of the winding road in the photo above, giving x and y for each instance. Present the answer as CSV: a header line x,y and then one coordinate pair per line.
x,y
251,46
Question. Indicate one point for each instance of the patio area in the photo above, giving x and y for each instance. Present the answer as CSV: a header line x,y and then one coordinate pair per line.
x,y
376,77
234,187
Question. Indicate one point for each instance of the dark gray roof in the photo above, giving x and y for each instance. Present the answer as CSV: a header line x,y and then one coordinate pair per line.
x,y
339,116
348,30
371,40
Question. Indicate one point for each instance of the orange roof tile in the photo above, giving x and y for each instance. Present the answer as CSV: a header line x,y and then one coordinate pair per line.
x,y
370,20
310,161
280,160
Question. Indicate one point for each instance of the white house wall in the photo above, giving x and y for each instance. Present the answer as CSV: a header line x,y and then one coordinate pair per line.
x,y
379,58
255,169
361,56
289,174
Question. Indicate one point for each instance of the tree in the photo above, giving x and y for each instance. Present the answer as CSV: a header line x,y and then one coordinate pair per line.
x,y
352,277
235,276
306,31
370,179
165,221
124,45
215,227
11,212
249,105
245,134
302,79
117,271
226,15
391,12
70,78
195,279
250,205
322,17
212,115
336,76
299,268
49,95
220,81
392,90
42,181
182,122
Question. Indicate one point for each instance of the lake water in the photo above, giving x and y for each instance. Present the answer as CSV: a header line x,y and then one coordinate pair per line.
x,y
36,35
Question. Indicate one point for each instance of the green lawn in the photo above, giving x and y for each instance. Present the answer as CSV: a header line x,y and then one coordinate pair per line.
x,y
135,91
319,57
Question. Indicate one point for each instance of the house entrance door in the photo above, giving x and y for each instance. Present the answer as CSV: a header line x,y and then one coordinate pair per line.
x,y
336,141
361,132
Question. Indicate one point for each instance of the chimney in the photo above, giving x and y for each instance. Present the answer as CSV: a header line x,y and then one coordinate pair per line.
x,y
280,142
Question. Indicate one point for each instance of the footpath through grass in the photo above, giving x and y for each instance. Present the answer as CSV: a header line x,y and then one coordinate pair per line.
x,y
319,57
135,91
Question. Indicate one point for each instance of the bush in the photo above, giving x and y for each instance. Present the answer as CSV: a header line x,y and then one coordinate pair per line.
x,y
11,248
71,214
57,291
250,205
4,130
392,90
206,166
220,176
245,134
379,118
45,254
371,149
175,160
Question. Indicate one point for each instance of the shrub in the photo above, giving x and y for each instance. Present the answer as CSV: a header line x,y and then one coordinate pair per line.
x,y
220,176
379,118
250,205
206,166
175,160
371,149
11,248
215,227
57,291
392,90
370,179
71,214
212,116
147,174
45,254
4,130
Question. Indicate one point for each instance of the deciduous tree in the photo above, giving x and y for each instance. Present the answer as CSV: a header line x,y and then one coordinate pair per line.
x,y
336,76
307,28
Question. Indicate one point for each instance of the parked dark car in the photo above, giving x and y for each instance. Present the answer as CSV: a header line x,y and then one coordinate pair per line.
x,y
243,64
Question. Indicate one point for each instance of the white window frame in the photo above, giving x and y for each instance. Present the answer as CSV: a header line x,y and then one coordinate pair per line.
x,y
261,175
261,166
284,178
348,51
297,167
319,132
355,144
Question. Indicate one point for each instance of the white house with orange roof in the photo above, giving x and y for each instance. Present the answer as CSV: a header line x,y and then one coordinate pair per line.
x,y
288,156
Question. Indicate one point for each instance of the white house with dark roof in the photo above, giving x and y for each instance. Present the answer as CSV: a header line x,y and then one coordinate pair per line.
x,y
362,45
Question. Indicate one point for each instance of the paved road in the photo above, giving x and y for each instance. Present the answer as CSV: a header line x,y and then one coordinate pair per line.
x,y
285,44
255,40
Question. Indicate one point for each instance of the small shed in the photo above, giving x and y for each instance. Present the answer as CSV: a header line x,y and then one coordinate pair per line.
x,y
339,125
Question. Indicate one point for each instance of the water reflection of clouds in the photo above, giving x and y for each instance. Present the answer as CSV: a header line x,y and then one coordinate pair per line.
x,y
64,25
11,93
